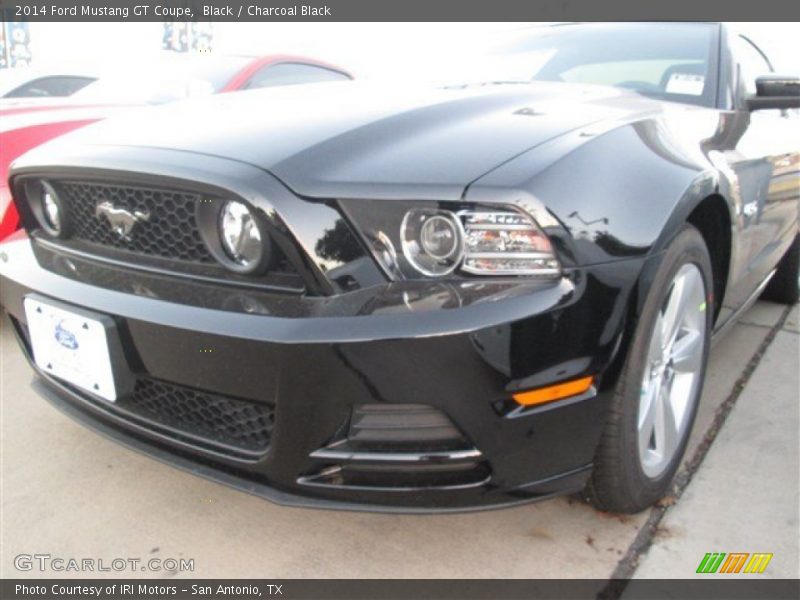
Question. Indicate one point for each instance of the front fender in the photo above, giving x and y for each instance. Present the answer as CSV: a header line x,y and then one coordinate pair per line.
x,y
606,195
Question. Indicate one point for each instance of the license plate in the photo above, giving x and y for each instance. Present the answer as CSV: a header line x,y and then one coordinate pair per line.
x,y
71,345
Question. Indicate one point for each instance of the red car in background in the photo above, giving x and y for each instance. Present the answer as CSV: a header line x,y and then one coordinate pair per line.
x,y
26,123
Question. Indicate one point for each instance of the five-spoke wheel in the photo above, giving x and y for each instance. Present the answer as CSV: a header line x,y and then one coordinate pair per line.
x,y
656,395
672,370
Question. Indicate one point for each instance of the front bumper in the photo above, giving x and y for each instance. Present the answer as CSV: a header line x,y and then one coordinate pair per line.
x,y
446,349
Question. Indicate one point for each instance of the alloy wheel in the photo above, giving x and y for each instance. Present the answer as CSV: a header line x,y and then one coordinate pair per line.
x,y
672,371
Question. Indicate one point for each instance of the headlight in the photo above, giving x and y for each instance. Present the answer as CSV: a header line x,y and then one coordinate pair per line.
x,y
506,243
423,239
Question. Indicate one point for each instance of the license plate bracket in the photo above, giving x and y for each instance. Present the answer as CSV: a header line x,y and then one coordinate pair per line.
x,y
78,346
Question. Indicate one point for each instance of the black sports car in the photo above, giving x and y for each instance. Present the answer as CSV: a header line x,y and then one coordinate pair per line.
x,y
383,299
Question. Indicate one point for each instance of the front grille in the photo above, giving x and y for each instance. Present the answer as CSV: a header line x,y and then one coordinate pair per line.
x,y
169,232
166,239
213,419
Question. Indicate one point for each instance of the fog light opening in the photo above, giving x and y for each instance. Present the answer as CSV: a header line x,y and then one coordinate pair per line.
x,y
48,208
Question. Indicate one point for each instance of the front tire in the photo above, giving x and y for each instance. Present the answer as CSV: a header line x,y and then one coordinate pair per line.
x,y
655,402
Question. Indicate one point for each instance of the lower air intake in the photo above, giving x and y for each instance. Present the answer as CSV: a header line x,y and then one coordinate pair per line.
x,y
216,420
391,426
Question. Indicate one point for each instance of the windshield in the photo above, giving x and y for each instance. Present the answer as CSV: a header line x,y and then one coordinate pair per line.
x,y
673,61
175,79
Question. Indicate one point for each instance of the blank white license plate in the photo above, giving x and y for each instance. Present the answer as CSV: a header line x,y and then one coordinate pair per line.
x,y
71,346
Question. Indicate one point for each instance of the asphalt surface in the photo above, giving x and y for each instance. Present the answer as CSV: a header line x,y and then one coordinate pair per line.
x,y
69,493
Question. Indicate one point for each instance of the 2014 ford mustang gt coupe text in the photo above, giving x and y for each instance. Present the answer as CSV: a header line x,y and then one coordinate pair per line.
x,y
472,296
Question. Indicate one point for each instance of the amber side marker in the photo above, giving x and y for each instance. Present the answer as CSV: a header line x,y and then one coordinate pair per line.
x,y
554,392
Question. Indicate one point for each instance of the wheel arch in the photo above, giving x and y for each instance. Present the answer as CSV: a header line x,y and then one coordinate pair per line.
x,y
712,219
705,206
708,210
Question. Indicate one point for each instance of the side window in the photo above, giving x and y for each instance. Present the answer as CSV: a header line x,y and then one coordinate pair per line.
x,y
752,64
291,74
46,87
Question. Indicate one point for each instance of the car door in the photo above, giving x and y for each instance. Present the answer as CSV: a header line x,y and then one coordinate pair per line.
x,y
763,155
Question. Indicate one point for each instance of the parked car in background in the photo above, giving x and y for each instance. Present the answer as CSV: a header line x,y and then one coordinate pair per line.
x,y
26,122
27,82
417,299
179,77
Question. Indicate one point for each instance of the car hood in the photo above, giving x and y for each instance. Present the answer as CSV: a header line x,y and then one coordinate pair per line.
x,y
355,140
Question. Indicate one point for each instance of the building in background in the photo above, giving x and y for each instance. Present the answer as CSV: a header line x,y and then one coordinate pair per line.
x,y
15,48
183,37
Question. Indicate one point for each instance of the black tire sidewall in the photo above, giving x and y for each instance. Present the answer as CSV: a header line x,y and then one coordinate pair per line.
x,y
784,286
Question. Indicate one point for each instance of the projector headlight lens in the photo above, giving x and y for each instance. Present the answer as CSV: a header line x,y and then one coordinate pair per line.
x,y
240,234
432,241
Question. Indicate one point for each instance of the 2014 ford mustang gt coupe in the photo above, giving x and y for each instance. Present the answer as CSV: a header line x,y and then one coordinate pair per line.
x,y
417,300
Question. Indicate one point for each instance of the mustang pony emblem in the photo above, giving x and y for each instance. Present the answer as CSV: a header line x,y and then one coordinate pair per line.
x,y
122,221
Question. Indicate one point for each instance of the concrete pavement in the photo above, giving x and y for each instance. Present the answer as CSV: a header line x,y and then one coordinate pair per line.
x,y
67,492
744,496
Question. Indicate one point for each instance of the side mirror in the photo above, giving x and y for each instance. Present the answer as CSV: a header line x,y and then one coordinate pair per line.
x,y
776,91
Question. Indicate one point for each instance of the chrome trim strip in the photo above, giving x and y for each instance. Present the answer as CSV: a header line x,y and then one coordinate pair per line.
x,y
523,255
353,455
496,227
314,481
